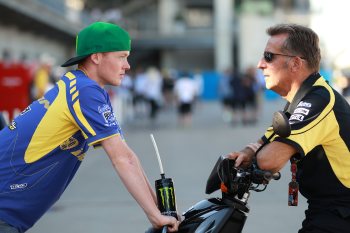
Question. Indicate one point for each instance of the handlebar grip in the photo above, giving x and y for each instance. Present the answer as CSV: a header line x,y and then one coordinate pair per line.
x,y
164,229
276,176
271,176
261,176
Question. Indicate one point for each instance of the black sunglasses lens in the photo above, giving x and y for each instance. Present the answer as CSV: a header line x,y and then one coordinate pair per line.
x,y
268,56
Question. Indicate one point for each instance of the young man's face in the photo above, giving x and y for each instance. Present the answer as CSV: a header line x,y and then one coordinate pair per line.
x,y
275,65
112,67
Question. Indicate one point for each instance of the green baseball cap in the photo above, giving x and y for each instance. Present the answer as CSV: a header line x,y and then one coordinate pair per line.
x,y
99,37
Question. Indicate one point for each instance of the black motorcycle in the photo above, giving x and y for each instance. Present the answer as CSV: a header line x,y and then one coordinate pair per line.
x,y
229,213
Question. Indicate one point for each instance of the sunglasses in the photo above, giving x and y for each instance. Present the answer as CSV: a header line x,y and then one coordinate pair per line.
x,y
269,57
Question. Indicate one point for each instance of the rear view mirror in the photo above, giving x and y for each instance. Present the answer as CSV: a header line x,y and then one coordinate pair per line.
x,y
280,124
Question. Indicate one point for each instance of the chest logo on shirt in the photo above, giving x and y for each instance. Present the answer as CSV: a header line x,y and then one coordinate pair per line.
x,y
108,115
69,143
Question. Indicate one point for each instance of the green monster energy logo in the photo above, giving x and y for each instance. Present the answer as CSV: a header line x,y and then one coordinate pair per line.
x,y
167,195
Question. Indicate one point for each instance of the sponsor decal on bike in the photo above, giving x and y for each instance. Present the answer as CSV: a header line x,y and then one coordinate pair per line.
x,y
18,186
108,115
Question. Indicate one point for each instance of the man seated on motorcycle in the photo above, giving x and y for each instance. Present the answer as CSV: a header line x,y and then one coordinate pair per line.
x,y
319,116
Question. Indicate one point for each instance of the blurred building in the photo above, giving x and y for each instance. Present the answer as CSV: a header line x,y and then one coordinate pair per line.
x,y
181,34
33,27
204,34
184,35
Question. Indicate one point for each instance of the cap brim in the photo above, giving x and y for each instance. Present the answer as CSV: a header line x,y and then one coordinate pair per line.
x,y
74,61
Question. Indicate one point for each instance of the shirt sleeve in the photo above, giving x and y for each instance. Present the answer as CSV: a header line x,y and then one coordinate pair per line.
x,y
268,136
311,124
94,115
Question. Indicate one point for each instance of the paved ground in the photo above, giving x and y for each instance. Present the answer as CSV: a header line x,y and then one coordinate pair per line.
x,y
96,201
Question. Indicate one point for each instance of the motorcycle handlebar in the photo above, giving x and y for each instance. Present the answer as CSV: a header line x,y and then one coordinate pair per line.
x,y
276,176
267,175
164,229
225,171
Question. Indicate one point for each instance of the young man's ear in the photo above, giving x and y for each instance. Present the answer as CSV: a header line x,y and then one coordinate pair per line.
x,y
96,58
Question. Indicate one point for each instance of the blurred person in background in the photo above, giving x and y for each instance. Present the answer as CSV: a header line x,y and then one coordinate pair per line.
x,y
43,79
249,85
226,94
139,100
198,79
260,91
318,146
121,99
168,89
186,91
153,92
238,98
43,147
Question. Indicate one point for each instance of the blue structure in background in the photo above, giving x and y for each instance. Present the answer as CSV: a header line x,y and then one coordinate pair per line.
x,y
327,74
210,85
271,95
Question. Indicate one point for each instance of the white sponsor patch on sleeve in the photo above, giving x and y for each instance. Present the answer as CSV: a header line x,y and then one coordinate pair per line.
x,y
108,115
303,111
297,117
304,104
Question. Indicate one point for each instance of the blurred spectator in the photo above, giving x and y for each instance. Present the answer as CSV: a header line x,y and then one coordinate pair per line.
x,y
249,85
226,94
238,100
139,92
198,78
342,82
43,79
153,91
168,89
260,91
41,82
186,90
121,98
